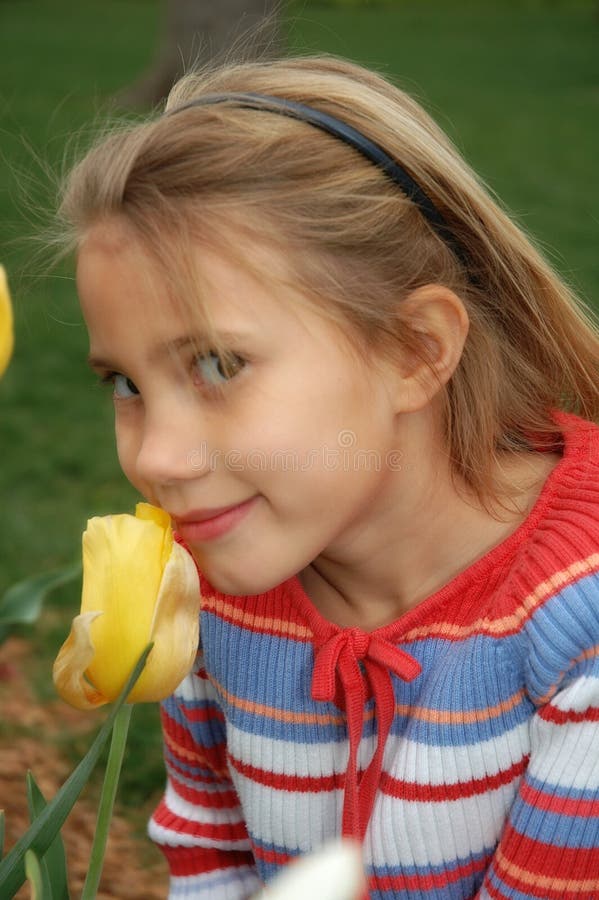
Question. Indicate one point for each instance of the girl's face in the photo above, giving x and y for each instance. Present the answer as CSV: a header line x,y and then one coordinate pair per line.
x,y
267,457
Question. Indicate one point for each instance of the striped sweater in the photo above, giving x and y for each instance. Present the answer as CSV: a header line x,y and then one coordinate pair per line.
x,y
460,743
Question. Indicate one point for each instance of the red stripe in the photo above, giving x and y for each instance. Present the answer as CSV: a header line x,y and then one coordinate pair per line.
x,y
229,831
207,778
493,891
299,784
562,716
557,862
404,790
275,857
546,860
460,790
532,890
201,860
203,714
207,799
181,745
258,614
429,881
211,758
562,806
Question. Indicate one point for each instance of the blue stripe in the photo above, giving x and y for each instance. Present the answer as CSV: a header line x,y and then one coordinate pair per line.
x,y
205,733
205,883
553,829
560,630
568,793
285,683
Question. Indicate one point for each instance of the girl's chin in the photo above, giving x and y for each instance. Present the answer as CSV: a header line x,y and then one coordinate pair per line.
x,y
241,582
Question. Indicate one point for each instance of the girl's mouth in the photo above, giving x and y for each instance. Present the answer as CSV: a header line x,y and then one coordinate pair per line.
x,y
206,524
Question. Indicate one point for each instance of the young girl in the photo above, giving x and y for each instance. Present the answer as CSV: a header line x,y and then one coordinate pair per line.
x,y
371,409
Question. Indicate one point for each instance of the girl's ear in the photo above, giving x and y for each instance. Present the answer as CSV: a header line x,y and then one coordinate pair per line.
x,y
438,322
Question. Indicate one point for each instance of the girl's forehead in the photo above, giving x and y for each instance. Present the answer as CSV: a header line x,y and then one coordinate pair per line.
x,y
218,259
237,286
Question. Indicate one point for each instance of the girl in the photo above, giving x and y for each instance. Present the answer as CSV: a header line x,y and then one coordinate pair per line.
x,y
371,409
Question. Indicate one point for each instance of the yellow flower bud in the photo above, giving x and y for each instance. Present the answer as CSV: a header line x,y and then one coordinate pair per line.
x,y
6,323
138,586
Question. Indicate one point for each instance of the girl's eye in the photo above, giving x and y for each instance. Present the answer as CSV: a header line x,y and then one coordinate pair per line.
x,y
123,386
215,369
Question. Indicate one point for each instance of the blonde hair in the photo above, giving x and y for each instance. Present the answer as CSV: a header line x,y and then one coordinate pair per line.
x,y
356,244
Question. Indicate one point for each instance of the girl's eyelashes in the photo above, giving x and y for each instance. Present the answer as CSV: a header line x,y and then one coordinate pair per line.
x,y
214,369
123,387
210,370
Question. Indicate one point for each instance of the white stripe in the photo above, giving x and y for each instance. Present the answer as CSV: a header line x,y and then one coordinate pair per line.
x,y
168,837
288,757
566,755
195,813
296,821
424,833
446,765
193,689
208,787
578,696
222,884
406,760
400,832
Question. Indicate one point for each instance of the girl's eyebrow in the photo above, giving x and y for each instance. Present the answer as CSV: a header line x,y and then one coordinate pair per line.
x,y
199,341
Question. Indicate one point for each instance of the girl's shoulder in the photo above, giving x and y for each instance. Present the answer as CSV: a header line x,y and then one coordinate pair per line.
x,y
571,498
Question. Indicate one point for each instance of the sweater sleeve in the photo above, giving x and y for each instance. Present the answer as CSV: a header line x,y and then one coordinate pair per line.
x,y
550,846
199,824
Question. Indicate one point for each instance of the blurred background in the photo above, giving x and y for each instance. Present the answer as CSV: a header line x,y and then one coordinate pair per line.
x,y
514,82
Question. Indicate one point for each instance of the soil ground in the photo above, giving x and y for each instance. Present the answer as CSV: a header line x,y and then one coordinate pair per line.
x,y
133,868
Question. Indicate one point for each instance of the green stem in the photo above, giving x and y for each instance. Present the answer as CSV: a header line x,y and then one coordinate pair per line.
x,y
111,780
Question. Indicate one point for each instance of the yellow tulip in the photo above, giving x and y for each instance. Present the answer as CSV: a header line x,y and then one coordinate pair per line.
x,y
139,585
6,323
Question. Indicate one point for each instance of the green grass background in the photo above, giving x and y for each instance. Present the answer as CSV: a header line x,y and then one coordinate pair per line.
x,y
516,84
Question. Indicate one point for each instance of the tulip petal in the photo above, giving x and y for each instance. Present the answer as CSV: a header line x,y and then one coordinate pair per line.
x,y
150,513
6,323
139,586
175,630
71,665
122,572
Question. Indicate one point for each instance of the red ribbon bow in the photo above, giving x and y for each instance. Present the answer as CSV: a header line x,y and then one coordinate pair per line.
x,y
356,659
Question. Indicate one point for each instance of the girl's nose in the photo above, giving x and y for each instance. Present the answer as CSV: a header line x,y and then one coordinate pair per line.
x,y
172,449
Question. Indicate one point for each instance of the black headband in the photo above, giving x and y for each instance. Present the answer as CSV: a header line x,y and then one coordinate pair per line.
x,y
353,138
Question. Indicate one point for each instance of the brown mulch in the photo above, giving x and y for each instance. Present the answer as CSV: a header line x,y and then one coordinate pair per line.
x,y
133,868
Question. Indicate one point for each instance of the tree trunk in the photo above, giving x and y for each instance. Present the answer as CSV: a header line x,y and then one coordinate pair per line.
x,y
195,31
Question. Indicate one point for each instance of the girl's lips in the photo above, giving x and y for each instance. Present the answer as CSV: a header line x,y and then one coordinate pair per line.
x,y
205,525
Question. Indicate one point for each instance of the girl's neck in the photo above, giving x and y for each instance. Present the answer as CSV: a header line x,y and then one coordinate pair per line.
x,y
423,540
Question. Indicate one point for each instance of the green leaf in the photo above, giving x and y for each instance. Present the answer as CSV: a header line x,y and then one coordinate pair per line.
x,y
44,829
22,602
36,869
53,863
33,871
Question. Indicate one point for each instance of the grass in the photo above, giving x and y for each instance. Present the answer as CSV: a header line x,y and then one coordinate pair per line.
x,y
515,84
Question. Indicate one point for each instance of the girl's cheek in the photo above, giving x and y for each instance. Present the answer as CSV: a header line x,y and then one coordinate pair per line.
x,y
127,445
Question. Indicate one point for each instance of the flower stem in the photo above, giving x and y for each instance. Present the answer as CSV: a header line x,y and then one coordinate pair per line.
x,y
111,780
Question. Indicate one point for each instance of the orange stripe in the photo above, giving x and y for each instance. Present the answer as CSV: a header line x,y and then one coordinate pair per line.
x,y
589,653
256,623
279,715
513,622
193,757
465,717
441,717
536,880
